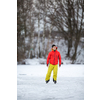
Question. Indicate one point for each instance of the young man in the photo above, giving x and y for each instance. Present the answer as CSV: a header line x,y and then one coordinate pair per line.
x,y
53,57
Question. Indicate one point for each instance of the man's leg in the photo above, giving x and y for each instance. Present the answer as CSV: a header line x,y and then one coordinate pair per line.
x,y
50,68
55,70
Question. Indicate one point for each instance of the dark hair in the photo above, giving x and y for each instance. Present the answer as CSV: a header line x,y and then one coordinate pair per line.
x,y
53,45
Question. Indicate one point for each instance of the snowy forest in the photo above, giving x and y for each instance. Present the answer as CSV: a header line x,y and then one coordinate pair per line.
x,y
41,23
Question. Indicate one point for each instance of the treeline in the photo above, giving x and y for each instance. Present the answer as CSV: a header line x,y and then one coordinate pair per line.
x,y
64,16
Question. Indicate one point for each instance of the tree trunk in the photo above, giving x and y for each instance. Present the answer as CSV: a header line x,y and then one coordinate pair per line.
x,y
77,35
43,41
38,49
74,55
70,32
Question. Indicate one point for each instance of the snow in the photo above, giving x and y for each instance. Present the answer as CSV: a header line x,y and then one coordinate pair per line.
x,y
36,61
31,83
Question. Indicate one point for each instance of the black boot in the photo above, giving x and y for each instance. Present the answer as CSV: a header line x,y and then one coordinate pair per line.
x,y
54,81
47,81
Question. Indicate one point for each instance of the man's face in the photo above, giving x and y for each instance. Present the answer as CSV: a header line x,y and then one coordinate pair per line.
x,y
54,48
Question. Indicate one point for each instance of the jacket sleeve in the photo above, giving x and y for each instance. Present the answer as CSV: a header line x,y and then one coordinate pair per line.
x,y
48,58
59,59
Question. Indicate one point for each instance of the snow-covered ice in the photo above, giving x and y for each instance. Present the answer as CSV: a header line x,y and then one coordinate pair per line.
x,y
31,83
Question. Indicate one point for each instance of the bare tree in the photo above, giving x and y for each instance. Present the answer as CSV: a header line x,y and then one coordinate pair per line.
x,y
24,8
69,20
44,19
79,25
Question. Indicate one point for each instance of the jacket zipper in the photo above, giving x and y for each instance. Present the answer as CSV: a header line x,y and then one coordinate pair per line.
x,y
54,57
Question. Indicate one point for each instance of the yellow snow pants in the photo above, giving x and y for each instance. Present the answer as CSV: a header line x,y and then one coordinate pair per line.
x,y
50,68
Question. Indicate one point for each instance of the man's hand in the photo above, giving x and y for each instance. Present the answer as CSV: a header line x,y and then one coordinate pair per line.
x,y
59,65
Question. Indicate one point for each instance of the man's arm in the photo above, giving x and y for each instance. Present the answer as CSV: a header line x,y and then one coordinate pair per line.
x,y
48,58
59,60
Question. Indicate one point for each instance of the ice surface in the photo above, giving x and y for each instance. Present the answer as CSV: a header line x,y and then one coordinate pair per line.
x,y
31,83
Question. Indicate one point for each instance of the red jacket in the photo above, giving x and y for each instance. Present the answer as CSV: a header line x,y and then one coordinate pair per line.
x,y
53,56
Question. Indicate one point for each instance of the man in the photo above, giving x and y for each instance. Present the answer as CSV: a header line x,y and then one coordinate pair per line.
x,y
53,57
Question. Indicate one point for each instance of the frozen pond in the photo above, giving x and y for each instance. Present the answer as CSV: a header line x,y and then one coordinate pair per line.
x,y
31,83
